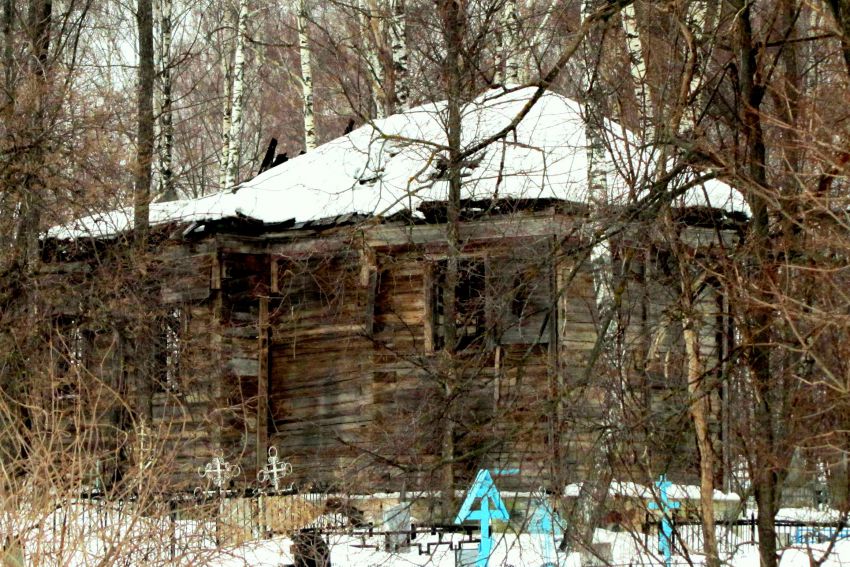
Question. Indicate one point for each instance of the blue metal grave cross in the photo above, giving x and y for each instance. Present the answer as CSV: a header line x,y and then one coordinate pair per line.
x,y
484,489
546,523
665,537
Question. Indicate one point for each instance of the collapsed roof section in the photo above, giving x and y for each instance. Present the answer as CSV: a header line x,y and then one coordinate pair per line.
x,y
396,167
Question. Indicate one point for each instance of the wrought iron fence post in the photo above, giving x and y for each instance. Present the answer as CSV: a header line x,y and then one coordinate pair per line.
x,y
753,527
172,515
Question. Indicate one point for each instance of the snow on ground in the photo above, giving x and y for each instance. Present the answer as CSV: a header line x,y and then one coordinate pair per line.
x,y
136,541
522,550
395,164
82,534
674,492
806,514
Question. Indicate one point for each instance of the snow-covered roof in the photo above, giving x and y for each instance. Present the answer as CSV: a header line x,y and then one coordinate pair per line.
x,y
394,164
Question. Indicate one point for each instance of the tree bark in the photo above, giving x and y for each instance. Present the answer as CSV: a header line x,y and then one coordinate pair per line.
x,y
306,78
226,72
236,105
33,183
699,410
509,24
144,123
841,12
594,489
759,322
370,44
167,190
637,65
453,25
398,46
8,57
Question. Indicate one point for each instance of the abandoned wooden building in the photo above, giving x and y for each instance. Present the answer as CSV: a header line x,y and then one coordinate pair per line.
x,y
306,309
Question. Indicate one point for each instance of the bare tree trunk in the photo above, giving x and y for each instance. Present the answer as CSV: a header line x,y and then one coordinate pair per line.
x,y
33,184
698,406
758,324
537,40
594,488
236,105
637,65
142,330
681,119
226,72
398,46
306,77
167,190
370,38
841,12
453,23
11,201
509,24
145,122
8,57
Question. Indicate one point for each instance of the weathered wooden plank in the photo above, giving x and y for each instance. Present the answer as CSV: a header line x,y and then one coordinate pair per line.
x,y
263,375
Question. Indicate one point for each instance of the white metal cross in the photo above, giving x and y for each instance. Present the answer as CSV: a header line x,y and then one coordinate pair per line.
x,y
219,472
275,470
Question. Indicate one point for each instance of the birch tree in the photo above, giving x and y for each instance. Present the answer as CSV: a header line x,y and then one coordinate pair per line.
x,y
165,139
594,491
370,39
398,47
237,102
306,76
510,49
227,74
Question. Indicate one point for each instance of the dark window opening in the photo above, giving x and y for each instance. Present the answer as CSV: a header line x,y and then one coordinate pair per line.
x,y
521,302
71,345
170,355
470,298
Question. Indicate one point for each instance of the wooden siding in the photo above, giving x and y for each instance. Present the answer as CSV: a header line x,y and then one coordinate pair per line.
x,y
323,344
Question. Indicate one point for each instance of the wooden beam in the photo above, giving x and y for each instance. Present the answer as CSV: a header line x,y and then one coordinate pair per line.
x,y
263,383
215,271
274,284
491,228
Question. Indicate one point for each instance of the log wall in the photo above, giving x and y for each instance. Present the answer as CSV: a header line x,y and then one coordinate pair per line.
x,y
326,345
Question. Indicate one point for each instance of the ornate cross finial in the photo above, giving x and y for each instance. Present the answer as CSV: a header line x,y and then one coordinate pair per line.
x,y
219,472
275,471
145,447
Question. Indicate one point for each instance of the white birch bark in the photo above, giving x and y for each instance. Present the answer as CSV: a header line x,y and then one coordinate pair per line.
x,y
225,118
683,120
537,40
369,32
597,170
510,42
306,78
236,105
594,490
637,68
166,124
398,48
696,15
